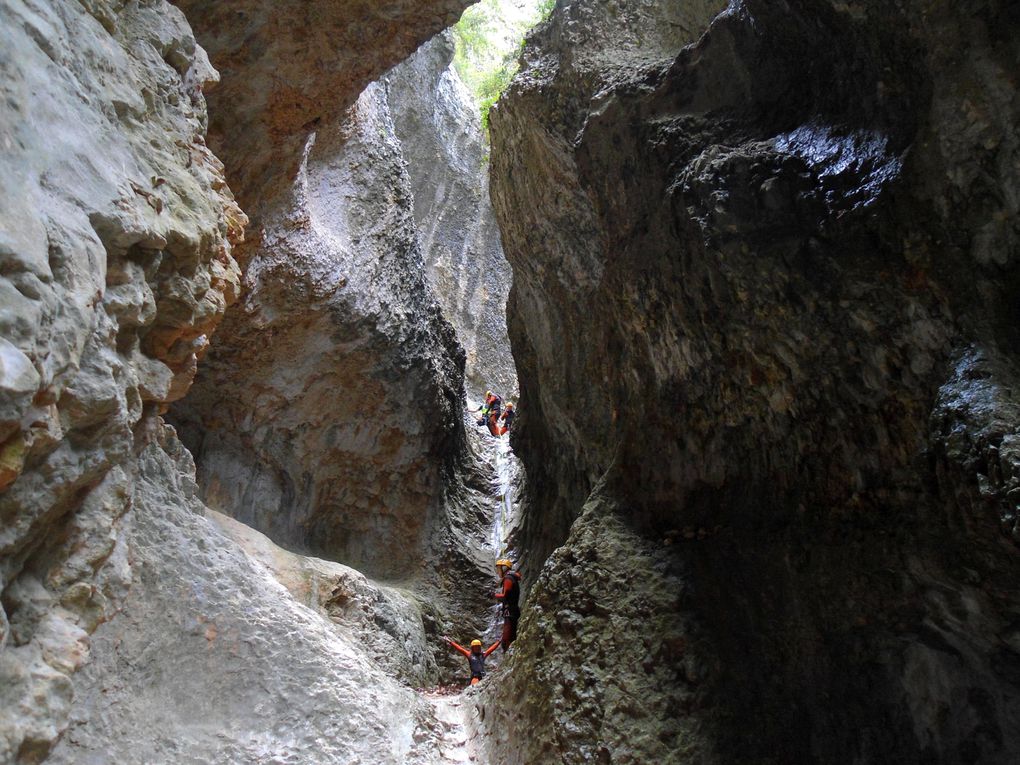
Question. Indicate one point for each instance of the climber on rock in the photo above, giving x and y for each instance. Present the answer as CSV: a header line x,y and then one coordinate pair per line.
x,y
507,418
509,596
476,656
490,412
483,410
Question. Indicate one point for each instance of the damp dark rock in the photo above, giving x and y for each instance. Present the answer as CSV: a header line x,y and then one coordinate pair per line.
x,y
764,318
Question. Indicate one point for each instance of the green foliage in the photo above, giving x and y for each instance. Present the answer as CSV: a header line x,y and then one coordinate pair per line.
x,y
488,38
491,87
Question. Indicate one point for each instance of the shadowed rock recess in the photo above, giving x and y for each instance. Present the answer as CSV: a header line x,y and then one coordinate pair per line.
x,y
768,258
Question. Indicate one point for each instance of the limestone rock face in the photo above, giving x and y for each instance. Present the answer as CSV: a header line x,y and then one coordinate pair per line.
x,y
116,233
768,308
387,622
329,412
442,143
117,236
212,660
291,67
331,408
603,674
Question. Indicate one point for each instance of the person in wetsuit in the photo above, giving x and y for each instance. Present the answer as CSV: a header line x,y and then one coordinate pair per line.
x,y
509,596
507,418
491,405
491,412
476,656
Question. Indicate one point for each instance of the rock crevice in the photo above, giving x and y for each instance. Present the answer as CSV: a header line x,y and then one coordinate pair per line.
x,y
442,143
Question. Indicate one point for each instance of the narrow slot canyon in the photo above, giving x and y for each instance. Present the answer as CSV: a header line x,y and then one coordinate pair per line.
x,y
747,270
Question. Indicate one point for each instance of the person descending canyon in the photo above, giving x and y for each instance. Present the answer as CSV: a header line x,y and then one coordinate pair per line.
x,y
490,412
507,418
509,596
476,656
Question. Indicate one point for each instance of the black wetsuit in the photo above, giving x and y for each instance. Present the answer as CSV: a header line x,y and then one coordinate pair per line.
x,y
511,602
477,663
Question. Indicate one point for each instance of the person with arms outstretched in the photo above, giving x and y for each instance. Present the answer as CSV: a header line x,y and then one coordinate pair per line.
x,y
476,656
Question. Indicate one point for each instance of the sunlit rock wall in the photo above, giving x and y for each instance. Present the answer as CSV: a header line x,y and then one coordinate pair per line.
x,y
116,229
765,300
325,416
329,412
441,140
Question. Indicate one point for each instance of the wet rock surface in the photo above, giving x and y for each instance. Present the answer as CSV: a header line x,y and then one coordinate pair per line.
x,y
441,140
769,309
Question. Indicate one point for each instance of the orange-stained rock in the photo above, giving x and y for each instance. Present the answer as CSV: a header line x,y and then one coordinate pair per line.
x,y
289,68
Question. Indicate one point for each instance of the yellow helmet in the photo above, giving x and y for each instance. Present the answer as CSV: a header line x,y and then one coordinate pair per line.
x,y
505,562
476,642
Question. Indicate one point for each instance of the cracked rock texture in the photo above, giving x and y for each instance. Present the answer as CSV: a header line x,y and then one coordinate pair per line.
x,y
116,231
214,659
441,140
330,411
765,300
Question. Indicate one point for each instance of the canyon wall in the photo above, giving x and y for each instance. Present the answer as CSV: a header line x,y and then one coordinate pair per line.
x,y
330,408
765,314
116,232
329,413
118,237
442,142
764,317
